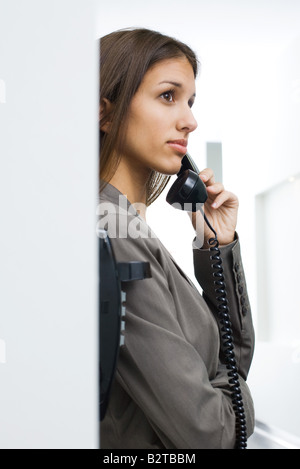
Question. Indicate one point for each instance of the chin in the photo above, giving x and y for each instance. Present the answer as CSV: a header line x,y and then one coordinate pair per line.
x,y
172,167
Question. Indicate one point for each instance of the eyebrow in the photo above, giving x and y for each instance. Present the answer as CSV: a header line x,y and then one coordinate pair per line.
x,y
179,85
174,83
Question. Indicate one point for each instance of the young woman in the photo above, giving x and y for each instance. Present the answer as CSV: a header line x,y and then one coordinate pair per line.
x,y
171,388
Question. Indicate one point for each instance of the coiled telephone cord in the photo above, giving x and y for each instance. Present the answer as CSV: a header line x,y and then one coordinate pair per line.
x,y
227,341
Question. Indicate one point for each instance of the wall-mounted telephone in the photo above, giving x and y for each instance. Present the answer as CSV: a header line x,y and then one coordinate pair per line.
x,y
112,310
189,193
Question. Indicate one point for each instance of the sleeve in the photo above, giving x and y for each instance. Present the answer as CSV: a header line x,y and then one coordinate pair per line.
x,y
162,372
237,296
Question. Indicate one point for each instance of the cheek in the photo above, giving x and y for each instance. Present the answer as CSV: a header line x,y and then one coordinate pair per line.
x,y
153,129
147,121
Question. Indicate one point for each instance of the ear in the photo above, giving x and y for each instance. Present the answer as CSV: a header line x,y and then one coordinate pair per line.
x,y
105,110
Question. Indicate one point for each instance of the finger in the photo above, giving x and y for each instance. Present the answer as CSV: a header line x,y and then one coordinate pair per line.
x,y
207,176
225,197
215,189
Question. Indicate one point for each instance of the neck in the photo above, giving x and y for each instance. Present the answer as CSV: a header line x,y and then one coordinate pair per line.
x,y
132,182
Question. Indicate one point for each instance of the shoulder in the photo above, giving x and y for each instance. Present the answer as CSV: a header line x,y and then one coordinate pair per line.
x,y
128,231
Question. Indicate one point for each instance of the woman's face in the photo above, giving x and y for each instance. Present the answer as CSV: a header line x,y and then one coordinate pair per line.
x,y
160,118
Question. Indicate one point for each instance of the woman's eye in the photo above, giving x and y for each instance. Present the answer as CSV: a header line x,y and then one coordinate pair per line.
x,y
168,96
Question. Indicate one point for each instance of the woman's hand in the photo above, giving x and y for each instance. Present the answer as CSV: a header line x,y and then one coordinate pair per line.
x,y
220,208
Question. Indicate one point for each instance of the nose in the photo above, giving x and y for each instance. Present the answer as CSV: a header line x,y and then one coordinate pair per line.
x,y
186,121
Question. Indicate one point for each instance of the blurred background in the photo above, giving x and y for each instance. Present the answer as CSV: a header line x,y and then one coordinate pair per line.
x,y
248,113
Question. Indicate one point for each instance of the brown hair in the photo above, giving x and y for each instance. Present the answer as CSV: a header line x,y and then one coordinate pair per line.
x,y
125,57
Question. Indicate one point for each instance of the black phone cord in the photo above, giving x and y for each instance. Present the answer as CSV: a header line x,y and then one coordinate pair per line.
x,y
227,341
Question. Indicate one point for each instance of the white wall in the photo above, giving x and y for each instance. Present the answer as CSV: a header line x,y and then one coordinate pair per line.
x,y
48,250
277,357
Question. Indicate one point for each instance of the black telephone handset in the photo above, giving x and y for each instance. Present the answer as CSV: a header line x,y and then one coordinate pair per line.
x,y
189,193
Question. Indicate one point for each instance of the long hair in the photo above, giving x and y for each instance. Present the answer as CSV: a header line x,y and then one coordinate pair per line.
x,y
125,57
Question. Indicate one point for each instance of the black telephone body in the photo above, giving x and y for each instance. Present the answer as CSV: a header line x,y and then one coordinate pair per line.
x,y
112,309
187,193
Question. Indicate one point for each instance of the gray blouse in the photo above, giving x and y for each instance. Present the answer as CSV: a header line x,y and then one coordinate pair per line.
x,y
171,387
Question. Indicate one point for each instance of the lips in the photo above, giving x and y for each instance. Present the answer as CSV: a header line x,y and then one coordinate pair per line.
x,y
179,145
